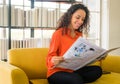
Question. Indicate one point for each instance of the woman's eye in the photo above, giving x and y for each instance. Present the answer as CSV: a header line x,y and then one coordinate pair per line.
x,y
83,19
77,17
80,18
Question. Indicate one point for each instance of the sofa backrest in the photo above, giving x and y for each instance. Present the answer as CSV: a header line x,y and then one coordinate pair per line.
x,y
31,60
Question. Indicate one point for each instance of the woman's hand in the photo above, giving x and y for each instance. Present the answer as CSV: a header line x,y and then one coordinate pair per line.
x,y
57,59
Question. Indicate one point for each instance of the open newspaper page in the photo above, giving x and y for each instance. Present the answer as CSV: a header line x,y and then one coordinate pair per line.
x,y
82,53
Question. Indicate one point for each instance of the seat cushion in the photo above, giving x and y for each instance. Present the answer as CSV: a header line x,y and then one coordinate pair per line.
x,y
112,78
39,81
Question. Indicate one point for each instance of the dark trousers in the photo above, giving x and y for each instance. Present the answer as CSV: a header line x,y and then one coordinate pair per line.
x,y
84,75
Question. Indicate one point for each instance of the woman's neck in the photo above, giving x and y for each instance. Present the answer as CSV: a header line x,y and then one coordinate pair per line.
x,y
72,32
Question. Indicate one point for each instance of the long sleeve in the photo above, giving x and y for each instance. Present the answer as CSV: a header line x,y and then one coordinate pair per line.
x,y
54,46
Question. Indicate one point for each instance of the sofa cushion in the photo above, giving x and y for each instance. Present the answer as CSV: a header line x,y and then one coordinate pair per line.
x,y
111,63
112,78
30,60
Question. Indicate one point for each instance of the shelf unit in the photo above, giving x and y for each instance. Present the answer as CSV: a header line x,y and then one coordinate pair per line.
x,y
32,29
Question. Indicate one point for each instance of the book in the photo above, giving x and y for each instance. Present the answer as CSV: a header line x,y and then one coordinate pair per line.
x,y
83,53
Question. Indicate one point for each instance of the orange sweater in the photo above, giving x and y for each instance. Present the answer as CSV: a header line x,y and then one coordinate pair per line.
x,y
58,46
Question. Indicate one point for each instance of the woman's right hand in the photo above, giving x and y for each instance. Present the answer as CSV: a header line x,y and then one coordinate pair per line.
x,y
57,59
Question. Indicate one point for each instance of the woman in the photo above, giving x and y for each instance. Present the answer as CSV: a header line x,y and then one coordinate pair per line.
x,y
70,26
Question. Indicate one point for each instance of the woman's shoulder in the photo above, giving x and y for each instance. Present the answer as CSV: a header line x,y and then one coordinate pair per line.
x,y
57,34
58,31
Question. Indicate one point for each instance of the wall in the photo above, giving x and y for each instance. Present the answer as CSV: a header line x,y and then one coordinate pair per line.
x,y
114,25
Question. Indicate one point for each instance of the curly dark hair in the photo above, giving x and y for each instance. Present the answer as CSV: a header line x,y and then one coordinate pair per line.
x,y
65,20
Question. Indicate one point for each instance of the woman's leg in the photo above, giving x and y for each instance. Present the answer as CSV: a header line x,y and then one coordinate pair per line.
x,y
65,78
89,73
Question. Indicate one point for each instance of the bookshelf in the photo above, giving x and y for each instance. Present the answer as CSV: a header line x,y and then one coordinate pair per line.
x,y
35,18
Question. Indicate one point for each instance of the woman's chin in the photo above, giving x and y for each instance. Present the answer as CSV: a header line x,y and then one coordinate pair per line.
x,y
76,28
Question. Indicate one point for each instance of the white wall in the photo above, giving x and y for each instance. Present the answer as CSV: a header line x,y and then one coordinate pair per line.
x,y
114,25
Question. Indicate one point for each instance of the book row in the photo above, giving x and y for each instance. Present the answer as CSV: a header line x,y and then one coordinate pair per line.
x,y
23,43
36,17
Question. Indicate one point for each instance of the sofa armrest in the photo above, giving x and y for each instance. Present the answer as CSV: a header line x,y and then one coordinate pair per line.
x,y
10,74
111,63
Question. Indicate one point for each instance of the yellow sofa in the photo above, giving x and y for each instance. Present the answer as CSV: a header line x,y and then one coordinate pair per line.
x,y
29,64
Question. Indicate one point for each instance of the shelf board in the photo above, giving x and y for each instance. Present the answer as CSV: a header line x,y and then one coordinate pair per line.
x,y
18,27
44,28
3,26
55,0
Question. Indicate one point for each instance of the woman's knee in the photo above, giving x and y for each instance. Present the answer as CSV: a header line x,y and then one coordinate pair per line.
x,y
98,70
93,74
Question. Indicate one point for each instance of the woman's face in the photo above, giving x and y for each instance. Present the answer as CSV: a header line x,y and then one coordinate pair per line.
x,y
78,18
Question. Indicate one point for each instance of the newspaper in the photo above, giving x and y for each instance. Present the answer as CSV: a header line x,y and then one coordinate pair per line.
x,y
82,53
